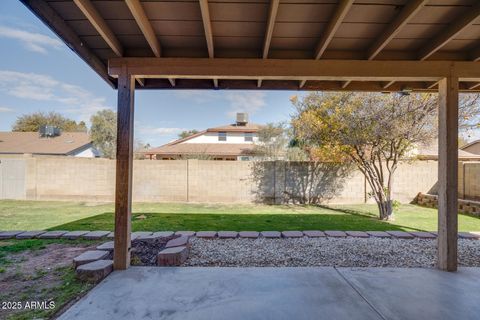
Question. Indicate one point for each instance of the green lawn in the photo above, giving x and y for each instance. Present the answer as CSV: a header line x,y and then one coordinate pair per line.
x,y
34,215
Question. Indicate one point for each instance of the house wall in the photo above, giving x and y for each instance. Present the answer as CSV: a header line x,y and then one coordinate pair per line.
x,y
92,179
212,137
87,153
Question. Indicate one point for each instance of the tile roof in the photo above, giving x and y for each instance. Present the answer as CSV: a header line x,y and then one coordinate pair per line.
x,y
213,149
31,142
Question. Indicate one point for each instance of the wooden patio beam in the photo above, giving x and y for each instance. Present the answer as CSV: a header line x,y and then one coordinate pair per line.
x,y
272,15
332,27
145,26
474,86
124,165
340,12
207,26
302,69
450,32
388,84
143,23
448,174
405,15
100,25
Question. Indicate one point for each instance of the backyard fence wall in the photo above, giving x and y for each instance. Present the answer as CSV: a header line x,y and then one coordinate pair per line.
x,y
82,179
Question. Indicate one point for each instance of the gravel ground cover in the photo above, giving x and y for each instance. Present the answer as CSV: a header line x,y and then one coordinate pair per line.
x,y
302,252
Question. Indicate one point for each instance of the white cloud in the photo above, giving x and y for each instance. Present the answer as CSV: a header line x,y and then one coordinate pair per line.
x,y
198,96
32,41
159,131
6,109
249,102
239,101
38,87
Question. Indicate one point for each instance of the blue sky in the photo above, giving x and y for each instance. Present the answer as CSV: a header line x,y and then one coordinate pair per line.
x,y
40,73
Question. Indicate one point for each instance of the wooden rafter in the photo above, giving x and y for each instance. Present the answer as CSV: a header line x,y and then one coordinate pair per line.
x,y
474,86
144,24
405,15
272,15
207,26
337,18
346,84
433,85
450,32
388,84
100,25
340,12
103,29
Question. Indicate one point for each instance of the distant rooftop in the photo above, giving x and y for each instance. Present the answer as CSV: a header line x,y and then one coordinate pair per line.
x,y
33,143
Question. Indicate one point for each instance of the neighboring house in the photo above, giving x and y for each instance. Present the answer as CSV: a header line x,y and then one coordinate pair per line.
x,y
472,147
430,152
229,142
75,144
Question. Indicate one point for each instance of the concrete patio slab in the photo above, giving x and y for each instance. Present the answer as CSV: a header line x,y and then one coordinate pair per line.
x,y
222,293
282,293
399,293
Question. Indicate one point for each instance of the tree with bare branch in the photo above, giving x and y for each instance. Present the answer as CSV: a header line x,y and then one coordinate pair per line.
x,y
374,131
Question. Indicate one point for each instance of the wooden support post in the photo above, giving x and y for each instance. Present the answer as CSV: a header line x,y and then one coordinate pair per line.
x,y
448,174
123,182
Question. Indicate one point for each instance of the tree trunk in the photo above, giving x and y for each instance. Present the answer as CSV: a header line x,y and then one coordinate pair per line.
x,y
386,210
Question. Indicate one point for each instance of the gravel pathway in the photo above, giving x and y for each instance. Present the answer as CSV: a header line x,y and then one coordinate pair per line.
x,y
347,252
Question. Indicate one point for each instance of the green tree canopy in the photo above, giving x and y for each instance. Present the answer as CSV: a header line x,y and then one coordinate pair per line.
x,y
187,133
104,132
32,122
373,130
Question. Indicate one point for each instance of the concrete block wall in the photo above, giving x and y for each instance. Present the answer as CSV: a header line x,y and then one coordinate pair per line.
x,y
471,183
82,179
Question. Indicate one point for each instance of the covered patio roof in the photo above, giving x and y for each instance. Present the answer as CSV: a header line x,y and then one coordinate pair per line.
x,y
236,40
369,45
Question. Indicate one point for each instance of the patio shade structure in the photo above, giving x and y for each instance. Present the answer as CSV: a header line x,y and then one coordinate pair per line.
x,y
355,45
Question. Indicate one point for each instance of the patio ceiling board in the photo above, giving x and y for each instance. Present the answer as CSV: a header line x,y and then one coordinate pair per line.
x,y
370,29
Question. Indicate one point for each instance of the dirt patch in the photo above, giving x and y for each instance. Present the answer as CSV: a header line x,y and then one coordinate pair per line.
x,y
32,274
